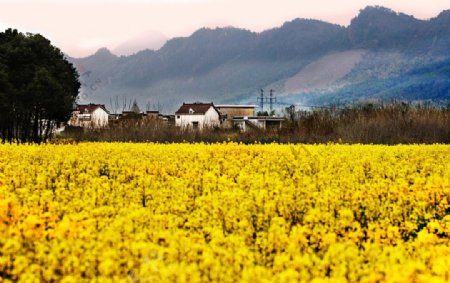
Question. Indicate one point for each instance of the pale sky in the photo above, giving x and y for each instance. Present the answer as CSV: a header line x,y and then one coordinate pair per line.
x,y
80,27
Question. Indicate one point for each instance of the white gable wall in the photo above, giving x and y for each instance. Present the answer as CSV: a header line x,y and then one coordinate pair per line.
x,y
212,118
99,117
209,119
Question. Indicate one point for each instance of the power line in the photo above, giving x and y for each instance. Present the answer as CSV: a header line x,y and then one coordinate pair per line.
x,y
272,100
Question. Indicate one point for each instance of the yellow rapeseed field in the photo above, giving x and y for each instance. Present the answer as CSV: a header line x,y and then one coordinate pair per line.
x,y
106,212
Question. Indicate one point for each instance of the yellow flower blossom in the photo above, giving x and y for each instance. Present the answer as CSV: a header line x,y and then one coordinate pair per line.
x,y
122,212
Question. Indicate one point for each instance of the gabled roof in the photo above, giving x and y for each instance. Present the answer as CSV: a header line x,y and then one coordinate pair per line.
x,y
195,108
89,108
135,108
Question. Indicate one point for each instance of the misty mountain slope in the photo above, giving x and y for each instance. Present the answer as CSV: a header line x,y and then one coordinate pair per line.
x,y
148,40
430,82
303,59
324,72
299,39
95,71
228,83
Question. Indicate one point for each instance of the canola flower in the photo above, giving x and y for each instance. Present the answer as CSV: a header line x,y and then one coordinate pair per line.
x,y
112,212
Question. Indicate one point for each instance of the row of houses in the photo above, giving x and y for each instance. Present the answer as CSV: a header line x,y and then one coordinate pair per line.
x,y
189,115
97,116
199,115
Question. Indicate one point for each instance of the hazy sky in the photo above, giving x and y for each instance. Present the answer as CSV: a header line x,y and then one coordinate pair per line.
x,y
79,27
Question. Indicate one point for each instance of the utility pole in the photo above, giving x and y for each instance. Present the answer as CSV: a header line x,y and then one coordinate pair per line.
x,y
272,100
261,100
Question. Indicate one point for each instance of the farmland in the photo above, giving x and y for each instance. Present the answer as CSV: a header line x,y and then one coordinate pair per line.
x,y
122,212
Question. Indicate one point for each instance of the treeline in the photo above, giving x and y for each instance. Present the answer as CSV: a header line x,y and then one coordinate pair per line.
x,y
370,123
37,87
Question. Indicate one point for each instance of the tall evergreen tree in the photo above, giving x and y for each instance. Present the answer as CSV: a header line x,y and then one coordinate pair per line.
x,y
38,87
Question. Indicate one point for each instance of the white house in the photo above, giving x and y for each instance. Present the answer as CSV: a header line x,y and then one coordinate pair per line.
x,y
89,115
197,116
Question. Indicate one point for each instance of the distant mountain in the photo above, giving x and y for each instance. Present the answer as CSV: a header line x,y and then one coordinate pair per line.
x,y
381,28
152,40
381,54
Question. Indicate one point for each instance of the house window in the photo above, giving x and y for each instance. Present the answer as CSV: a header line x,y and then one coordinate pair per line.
x,y
178,116
191,111
195,125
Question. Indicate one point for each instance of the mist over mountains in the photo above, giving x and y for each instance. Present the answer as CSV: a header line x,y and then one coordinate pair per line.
x,y
382,54
147,40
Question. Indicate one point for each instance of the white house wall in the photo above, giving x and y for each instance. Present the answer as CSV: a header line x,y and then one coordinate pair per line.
x,y
185,120
212,118
99,117
209,119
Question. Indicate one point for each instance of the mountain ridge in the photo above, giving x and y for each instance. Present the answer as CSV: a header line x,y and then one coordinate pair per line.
x,y
231,64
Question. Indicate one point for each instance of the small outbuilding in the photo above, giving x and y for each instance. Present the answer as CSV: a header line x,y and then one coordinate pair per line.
x,y
269,123
229,111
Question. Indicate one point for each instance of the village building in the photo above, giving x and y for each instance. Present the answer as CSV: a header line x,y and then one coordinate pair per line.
x,y
89,116
244,118
197,116
133,114
134,117
269,123
229,111
152,115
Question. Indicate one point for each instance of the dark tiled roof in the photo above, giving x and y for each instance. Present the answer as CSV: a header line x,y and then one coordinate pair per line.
x,y
89,108
199,108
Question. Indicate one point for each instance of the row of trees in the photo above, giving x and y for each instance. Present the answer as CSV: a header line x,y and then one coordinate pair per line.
x,y
38,87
